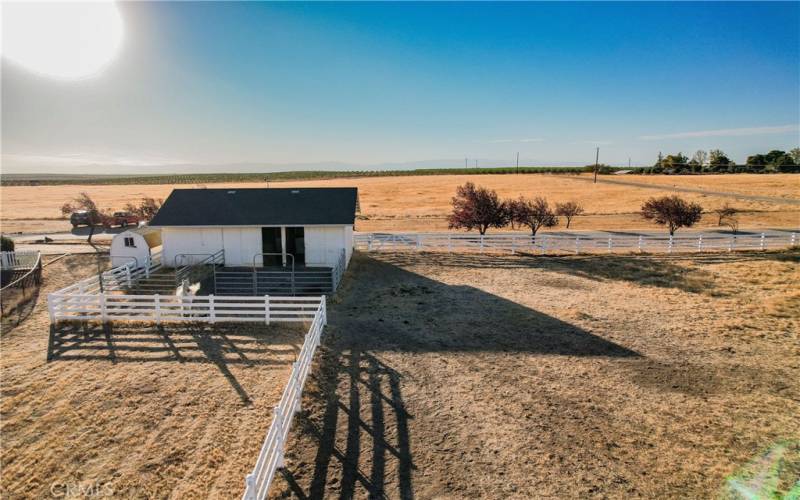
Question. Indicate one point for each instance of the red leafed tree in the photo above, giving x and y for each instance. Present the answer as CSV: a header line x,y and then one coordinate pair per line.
x,y
477,208
672,211
535,214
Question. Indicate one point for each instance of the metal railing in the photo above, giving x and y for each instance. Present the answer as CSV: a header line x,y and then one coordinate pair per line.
x,y
338,270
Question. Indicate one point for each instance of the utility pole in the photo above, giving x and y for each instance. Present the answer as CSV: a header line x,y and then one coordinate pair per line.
x,y
596,163
517,161
629,163
466,165
476,163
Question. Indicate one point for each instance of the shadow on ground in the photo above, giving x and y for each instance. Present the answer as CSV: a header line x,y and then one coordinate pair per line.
x,y
354,435
220,345
660,270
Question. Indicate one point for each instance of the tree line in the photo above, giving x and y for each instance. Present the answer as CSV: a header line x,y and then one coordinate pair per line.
x,y
476,207
716,161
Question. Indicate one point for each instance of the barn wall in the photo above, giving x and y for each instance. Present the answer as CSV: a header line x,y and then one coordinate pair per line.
x,y
241,244
323,244
178,241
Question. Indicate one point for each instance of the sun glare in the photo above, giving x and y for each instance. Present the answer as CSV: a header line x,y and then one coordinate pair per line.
x,y
61,40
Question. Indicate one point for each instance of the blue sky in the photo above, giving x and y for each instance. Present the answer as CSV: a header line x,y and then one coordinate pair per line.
x,y
213,86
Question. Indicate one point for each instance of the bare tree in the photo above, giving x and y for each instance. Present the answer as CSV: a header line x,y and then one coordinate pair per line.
x,y
700,157
535,214
477,208
672,211
568,210
724,212
146,209
95,217
727,216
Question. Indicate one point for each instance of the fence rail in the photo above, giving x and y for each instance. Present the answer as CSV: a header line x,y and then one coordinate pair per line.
x,y
180,308
555,244
270,457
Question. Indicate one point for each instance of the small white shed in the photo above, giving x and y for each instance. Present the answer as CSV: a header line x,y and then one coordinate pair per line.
x,y
134,245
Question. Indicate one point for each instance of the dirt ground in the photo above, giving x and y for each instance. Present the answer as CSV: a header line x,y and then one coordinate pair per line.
x,y
421,203
136,411
469,376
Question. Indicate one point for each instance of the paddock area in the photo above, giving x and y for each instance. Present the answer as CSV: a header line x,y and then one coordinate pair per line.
x,y
500,376
142,410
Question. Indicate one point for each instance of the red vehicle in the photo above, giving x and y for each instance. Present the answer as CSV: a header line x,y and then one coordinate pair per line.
x,y
124,219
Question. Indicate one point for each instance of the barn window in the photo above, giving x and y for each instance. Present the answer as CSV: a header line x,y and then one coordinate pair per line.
x,y
129,242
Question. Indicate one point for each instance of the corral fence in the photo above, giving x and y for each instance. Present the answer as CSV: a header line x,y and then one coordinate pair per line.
x,y
179,308
21,276
270,457
211,309
568,244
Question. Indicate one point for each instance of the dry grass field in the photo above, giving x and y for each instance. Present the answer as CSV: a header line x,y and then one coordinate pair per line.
x,y
467,376
421,203
138,411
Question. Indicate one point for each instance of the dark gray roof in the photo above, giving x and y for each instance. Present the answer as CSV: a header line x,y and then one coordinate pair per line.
x,y
258,207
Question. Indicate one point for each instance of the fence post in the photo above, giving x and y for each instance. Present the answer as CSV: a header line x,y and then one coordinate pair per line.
x,y
640,243
211,311
369,242
51,307
128,275
513,244
700,242
732,243
609,245
419,242
794,237
147,262
266,309
481,243
324,303
669,247
103,307
250,487
761,244
279,434
450,242
157,299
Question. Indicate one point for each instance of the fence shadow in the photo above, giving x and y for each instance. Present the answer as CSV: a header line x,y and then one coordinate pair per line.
x,y
659,270
17,307
220,345
354,438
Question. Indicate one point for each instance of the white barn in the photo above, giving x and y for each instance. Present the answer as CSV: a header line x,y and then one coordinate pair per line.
x,y
258,227
134,245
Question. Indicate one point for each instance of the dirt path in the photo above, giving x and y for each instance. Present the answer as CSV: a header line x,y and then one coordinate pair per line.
x,y
447,376
682,189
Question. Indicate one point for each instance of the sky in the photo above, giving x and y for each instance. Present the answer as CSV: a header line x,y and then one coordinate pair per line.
x,y
278,86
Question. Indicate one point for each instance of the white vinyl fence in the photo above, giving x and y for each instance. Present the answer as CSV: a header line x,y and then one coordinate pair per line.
x,y
180,308
270,458
566,244
118,278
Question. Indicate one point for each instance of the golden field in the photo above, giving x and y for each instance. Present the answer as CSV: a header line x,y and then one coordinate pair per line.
x,y
421,203
477,376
